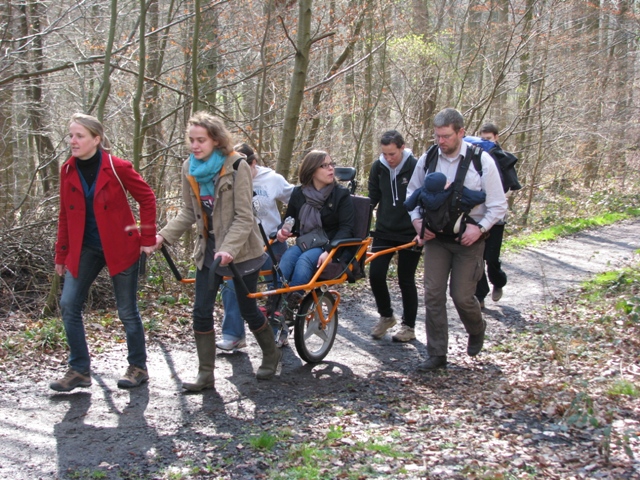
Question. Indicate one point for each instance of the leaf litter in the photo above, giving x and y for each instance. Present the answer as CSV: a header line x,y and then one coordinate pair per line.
x,y
537,403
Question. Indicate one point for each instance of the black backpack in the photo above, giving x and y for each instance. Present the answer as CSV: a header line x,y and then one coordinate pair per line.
x,y
506,166
505,161
450,220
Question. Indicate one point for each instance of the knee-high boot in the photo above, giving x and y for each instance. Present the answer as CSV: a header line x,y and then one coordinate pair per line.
x,y
206,347
270,354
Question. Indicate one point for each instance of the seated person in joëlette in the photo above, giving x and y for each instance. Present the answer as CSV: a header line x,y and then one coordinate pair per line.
x,y
319,204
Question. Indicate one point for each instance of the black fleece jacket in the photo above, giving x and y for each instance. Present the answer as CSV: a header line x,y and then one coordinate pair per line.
x,y
392,219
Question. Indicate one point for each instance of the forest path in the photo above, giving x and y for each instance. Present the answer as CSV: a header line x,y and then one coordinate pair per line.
x,y
149,430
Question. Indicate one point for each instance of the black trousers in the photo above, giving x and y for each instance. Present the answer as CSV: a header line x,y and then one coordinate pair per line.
x,y
407,264
494,272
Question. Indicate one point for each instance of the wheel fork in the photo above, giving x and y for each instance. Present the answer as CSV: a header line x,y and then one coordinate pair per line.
x,y
324,321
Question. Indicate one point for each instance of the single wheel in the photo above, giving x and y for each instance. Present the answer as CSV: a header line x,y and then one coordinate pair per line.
x,y
313,341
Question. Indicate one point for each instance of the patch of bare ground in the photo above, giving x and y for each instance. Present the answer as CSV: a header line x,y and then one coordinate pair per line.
x,y
537,403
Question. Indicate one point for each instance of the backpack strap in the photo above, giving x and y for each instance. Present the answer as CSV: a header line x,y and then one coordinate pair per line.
x,y
458,183
474,154
431,160
196,191
477,159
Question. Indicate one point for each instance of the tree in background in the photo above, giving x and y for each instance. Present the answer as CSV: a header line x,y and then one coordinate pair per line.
x,y
559,77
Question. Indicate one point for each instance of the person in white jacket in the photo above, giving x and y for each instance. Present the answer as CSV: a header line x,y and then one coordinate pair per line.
x,y
269,187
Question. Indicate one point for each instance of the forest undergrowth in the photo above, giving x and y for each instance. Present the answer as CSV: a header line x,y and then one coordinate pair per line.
x,y
27,248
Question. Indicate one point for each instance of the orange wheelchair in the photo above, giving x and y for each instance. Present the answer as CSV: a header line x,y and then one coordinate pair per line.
x,y
315,317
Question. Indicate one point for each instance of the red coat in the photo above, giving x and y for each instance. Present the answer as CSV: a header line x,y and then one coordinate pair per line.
x,y
120,236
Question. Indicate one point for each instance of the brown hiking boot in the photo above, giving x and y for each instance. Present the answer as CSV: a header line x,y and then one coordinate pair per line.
x,y
475,343
432,363
133,377
496,294
72,379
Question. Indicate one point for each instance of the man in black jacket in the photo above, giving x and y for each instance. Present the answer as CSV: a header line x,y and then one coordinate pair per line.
x,y
493,244
388,181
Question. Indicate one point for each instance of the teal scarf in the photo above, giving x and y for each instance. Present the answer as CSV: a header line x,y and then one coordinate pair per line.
x,y
205,171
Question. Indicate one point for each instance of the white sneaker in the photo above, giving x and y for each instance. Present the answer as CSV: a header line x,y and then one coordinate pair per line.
x,y
384,324
231,344
405,334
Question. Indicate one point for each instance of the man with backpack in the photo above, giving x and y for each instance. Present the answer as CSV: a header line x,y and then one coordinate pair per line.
x,y
454,253
506,163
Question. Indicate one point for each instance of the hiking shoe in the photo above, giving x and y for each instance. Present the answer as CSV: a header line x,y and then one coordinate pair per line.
x,y
496,294
231,344
133,377
432,363
475,342
292,303
283,338
384,324
71,380
405,334
273,304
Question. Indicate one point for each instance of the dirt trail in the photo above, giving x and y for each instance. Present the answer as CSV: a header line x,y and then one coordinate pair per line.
x,y
142,431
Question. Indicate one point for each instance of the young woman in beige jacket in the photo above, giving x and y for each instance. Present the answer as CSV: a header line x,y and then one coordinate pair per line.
x,y
217,196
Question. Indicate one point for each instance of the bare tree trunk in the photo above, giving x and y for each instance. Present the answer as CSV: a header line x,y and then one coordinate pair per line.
x,y
364,138
48,171
210,61
296,92
427,110
539,158
51,302
106,72
264,110
318,94
137,98
525,89
500,23
587,148
195,86
6,116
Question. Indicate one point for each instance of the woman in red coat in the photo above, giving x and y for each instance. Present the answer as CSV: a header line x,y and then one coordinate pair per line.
x,y
96,228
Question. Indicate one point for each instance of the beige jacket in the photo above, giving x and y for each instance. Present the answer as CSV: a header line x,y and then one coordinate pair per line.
x,y
235,228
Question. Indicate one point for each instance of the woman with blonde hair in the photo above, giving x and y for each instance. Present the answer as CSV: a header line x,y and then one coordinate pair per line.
x,y
96,228
217,197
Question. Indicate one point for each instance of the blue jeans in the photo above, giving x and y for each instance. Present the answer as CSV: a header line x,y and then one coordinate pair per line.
x,y
205,299
299,267
74,297
232,322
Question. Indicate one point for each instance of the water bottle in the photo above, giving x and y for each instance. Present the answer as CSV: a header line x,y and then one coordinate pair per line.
x,y
288,224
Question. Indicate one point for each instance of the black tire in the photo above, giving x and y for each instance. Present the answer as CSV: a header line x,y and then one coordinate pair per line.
x,y
312,342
